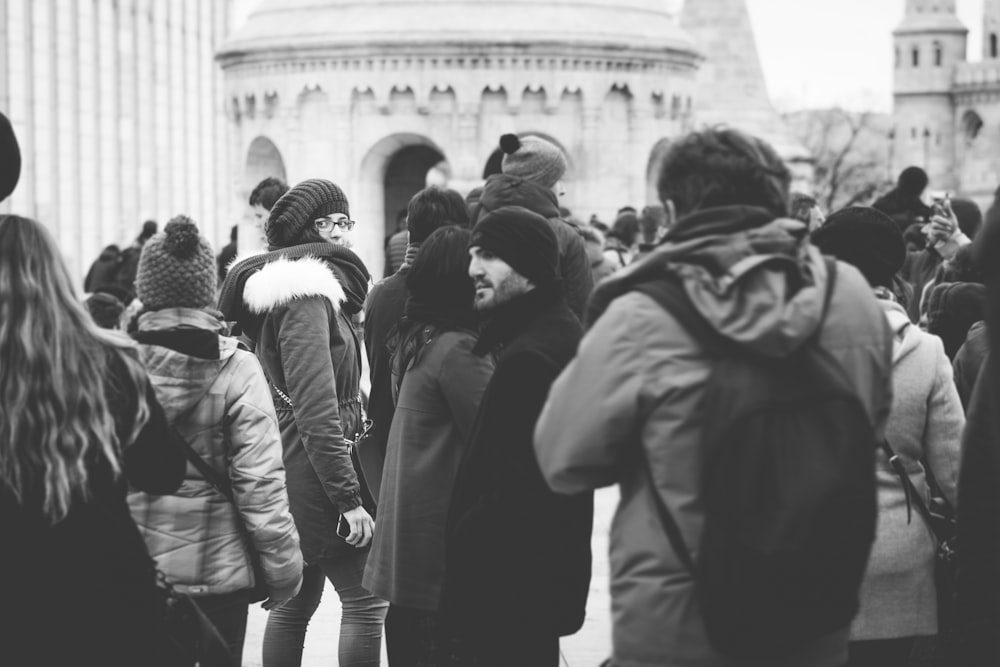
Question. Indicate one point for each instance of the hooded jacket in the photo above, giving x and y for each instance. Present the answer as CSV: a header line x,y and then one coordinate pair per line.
x,y
217,397
301,305
636,383
898,597
574,265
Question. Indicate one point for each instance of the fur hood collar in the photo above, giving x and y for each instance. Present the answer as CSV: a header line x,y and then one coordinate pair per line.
x,y
284,280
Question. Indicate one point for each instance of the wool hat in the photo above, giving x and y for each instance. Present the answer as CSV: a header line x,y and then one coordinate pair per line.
x,y
10,158
521,238
533,159
866,238
293,215
177,268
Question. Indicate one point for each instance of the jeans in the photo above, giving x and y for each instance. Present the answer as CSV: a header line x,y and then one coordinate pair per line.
x,y
228,614
360,623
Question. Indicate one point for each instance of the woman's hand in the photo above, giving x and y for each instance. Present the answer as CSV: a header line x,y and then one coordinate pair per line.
x,y
362,527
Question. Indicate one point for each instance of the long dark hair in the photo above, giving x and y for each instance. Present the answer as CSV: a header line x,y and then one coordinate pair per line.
x,y
440,295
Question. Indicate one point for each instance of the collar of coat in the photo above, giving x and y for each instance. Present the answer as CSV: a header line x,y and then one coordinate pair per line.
x,y
284,280
510,320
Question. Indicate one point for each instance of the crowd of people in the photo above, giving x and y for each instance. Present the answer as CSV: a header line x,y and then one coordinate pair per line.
x,y
782,394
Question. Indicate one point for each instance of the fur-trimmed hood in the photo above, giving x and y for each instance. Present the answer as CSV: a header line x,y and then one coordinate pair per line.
x,y
284,280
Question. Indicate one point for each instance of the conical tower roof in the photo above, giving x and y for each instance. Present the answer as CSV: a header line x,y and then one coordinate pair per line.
x,y
731,88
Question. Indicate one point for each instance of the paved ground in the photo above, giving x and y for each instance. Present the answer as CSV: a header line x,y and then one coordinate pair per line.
x,y
587,648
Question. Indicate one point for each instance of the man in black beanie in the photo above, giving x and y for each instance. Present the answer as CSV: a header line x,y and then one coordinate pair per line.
x,y
518,555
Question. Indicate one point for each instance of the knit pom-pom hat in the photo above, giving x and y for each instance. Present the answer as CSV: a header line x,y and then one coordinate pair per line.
x,y
533,159
177,268
294,214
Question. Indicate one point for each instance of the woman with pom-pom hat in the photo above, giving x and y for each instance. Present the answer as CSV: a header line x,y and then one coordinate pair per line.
x,y
216,396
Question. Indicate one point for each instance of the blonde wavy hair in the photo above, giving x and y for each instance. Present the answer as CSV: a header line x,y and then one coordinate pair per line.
x,y
55,420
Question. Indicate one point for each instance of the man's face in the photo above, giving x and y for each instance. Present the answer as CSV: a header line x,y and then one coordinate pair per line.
x,y
495,281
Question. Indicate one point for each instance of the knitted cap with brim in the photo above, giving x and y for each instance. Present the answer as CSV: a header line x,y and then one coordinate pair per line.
x,y
10,158
533,159
298,209
177,268
521,238
865,238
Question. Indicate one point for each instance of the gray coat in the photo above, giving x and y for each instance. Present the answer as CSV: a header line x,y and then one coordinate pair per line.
x,y
898,596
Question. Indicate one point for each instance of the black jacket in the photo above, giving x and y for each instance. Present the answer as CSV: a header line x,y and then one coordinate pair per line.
x,y
383,311
517,554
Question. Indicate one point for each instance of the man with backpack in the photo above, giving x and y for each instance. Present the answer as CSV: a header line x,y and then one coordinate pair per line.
x,y
735,384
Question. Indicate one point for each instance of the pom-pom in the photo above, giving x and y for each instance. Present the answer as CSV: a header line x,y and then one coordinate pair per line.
x,y
509,143
181,237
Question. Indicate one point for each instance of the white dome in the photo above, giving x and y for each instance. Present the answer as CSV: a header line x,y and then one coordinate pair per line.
x,y
299,26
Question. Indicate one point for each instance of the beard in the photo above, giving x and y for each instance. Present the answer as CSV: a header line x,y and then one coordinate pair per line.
x,y
491,295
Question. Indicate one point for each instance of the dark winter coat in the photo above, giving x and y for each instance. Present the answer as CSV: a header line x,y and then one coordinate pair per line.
x,y
517,554
574,265
978,528
970,360
128,268
383,310
83,591
438,399
952,309
310,353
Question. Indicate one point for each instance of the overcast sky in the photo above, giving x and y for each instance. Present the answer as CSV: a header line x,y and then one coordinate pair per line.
x,y
821,53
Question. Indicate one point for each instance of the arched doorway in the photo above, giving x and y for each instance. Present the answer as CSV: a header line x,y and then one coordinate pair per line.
x,y
263,161
653,169
405,175
394,169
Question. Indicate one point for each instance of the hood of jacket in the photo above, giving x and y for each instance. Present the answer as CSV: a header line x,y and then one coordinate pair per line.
x,y
166,339
905,336
281,281
505,190
757,280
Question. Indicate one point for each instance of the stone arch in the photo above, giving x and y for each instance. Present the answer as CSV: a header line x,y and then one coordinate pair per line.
x,y
654,167
263,161
972,125
533,100
392,171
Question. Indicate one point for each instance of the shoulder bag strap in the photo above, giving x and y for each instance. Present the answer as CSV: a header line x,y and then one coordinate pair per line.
x,y
667,520
910,491
212,476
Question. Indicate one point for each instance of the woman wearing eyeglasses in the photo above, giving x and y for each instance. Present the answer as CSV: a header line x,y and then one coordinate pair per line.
x,y
297,303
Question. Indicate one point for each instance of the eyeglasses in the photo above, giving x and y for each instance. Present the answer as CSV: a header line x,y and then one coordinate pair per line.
x,y
343,223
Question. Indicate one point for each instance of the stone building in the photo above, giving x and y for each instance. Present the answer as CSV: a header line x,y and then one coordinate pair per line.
x,y
373,94
946,108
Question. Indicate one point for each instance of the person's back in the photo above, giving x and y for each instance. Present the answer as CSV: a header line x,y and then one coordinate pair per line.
x,y
639,377
216,395
80,422
104,270
128,266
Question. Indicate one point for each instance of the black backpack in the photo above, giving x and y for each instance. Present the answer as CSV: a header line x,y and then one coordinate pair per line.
x,y
788,485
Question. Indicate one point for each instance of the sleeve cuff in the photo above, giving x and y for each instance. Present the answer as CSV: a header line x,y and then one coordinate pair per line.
x,y
349,502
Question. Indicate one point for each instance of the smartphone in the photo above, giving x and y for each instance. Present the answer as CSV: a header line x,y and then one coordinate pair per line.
x,y
343,528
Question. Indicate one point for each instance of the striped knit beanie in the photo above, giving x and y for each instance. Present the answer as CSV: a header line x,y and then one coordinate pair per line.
x,y
293,215
177,268
533,159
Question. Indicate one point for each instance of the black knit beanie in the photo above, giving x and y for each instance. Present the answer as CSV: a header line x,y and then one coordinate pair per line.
x,y
177,269
10,158
293,215
522,239
866,238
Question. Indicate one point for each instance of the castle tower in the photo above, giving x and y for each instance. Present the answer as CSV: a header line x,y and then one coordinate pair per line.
x,y
991,30
929,44
731,88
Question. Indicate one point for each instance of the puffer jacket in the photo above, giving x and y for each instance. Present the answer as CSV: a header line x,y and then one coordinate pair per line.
x,y
310,352
217,397
636,383
898,597
574,264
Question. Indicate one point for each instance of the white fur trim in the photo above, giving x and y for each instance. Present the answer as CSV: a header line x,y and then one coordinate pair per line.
x,y
283,281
